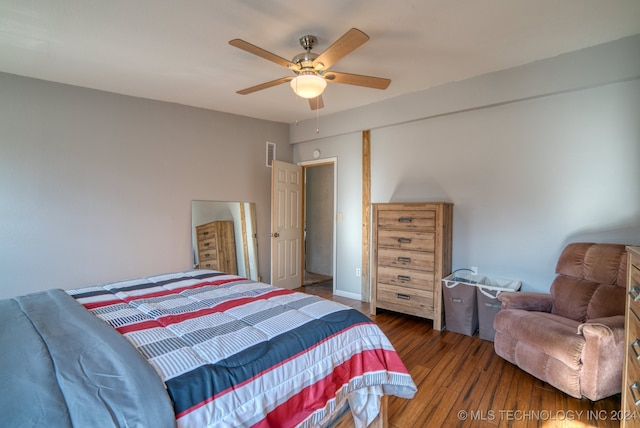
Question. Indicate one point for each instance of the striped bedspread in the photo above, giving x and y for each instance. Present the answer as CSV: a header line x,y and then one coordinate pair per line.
x,y
234,352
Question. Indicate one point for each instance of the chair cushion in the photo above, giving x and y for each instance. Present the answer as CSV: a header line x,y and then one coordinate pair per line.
x,y
599,263
571,297
551,334
591,281
606,301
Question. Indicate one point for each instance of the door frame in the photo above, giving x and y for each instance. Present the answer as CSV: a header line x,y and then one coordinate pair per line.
x,y
311,164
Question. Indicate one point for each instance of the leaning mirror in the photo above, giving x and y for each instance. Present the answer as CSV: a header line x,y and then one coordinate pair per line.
x,y
223,236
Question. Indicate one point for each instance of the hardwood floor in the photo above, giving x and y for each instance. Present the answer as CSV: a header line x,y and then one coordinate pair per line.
x,y
463,383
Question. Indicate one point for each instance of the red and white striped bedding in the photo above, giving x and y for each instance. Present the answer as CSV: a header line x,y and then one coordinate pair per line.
x,y
235,352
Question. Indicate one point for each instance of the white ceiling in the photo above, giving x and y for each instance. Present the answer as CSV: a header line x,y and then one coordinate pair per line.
x,y
178,51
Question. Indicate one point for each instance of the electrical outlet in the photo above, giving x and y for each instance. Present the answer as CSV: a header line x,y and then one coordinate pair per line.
x,y
357,271
474,270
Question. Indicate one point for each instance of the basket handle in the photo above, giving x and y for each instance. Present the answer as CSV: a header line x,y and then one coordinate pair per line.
x,y
489,295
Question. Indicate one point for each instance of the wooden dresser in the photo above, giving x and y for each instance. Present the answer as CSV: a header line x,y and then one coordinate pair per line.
x,y
217,247
630,416
411,254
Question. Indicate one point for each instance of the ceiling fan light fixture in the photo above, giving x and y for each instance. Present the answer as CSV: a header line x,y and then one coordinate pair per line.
x,y
308,85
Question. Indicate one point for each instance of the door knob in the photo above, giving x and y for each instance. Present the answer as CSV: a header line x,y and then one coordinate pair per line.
x,y
276,235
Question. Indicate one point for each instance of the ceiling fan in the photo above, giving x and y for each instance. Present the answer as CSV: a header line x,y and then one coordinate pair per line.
x,y
311,70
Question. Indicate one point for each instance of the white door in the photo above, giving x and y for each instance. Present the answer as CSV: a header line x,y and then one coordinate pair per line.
x,y
286,225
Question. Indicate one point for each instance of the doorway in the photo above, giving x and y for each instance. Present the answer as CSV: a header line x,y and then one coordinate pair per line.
x,y
319,224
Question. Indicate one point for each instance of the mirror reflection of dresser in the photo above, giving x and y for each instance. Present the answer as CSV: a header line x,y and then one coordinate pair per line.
x,y
224,237
216,246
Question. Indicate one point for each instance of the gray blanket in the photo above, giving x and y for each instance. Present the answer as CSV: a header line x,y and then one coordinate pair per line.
x,y
60,366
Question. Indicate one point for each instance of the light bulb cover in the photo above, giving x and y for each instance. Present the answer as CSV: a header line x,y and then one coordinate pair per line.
x,y
308,85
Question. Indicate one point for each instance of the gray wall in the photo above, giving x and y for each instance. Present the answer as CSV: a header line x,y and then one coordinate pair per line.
x,y
97,187
533,158
319,214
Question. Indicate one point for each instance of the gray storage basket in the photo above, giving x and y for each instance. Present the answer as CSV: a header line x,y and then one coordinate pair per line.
x,y
488,304
460,307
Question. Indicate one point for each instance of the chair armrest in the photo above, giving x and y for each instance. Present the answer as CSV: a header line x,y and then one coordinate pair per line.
x,y
529,301
607,326
602,357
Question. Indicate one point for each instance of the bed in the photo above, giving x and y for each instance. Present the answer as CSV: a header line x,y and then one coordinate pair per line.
x,y
194,349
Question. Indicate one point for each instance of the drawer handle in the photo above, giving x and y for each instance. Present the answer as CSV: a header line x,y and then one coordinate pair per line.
x,y
634,392
635,346
206,244
405,219
207,254
635,293
403,296
404,259
205,233
404,278
404,240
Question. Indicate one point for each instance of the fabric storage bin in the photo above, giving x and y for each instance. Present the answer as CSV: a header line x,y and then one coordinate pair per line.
x,y
460,307
488,304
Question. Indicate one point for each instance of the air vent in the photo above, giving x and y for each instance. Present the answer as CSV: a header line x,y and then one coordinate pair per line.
x,y
271,153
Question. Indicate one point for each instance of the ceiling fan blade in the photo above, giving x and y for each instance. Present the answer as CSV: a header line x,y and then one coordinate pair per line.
x,y
316,103
248,47
357,79
265,85
351,40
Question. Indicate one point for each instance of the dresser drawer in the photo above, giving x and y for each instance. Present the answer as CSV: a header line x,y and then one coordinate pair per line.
x,y
209,264
633,377
634,271
415,279
403,299
633,336
630,411
207,244
634,305
407,219
207,232
208,254
406,240
417,260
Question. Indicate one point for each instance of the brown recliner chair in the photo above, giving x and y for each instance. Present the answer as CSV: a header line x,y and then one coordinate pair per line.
x,y
572,338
